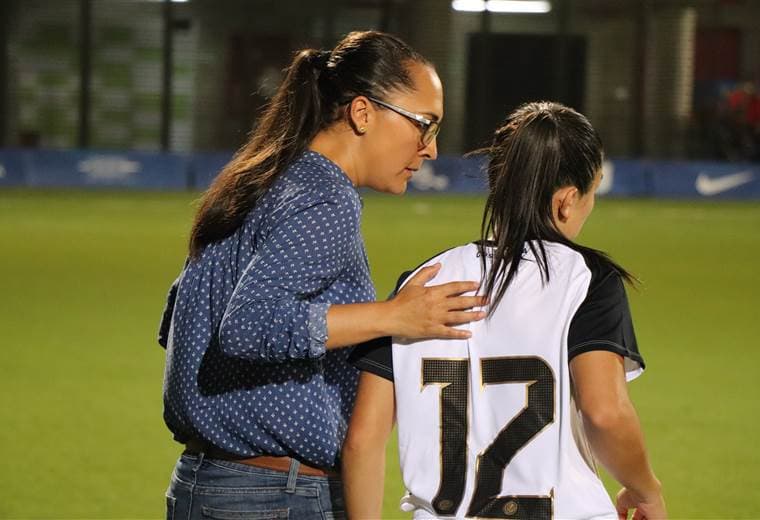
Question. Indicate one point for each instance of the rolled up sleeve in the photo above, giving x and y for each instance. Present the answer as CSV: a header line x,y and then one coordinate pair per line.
x,y
272,316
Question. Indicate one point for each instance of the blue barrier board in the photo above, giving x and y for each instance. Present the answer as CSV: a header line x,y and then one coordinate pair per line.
x,y
706,180
448,174
97,169
13,168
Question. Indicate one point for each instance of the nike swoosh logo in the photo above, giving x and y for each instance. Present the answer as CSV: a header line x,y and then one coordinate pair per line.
x,y
712,186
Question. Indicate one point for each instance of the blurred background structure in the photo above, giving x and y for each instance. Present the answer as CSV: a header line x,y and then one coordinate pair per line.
x,y
659,79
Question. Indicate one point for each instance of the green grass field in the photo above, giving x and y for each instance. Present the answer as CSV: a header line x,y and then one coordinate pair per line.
x,y
84,277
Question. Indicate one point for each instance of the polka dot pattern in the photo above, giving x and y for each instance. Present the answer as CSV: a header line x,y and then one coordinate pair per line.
x,y
246,364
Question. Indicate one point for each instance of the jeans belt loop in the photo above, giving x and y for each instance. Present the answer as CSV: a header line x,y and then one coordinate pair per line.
x,y
292,476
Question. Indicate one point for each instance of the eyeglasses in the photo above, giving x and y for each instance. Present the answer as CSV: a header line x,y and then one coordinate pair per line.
x,y
429,127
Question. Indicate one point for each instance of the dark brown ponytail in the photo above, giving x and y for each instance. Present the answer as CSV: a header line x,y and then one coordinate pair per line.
x,y
317,85
543,146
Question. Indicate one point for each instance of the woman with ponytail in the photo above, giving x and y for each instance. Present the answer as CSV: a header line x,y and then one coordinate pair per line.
x,y
257,384
510,422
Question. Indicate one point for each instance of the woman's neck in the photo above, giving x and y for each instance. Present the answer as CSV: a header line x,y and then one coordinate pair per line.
x,y
339,146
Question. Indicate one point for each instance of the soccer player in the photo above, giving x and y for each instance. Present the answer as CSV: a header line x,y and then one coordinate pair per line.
x,y
511,422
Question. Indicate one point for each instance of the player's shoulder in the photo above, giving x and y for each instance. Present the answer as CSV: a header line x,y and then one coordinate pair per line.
x,y
602,269
579,257
457,255
603,274
449,259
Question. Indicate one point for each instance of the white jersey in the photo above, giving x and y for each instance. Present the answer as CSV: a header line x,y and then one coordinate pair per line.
x,y
487,427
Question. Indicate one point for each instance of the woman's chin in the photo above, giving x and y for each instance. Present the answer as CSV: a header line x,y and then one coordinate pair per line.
x,y
400,190
396,188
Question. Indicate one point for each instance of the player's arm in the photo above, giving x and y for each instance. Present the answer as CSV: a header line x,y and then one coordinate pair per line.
x,y
614,431
363,457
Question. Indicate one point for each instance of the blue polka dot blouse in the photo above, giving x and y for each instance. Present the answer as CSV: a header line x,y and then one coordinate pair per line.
x,y
245,323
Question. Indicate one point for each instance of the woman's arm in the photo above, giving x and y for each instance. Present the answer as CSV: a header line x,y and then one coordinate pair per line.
x,y
415,312
363,457
271,316
614,431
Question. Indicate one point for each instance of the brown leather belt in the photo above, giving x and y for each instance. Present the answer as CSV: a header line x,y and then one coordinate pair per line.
x,y
263,461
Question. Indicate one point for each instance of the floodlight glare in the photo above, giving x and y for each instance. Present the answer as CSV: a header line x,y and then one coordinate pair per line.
x,y
470,6
518,6
502,6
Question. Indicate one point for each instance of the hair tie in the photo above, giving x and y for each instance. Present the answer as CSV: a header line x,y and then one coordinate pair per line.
x,y
319,60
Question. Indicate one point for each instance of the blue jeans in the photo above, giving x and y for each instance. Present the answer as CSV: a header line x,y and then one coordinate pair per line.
x,y
203,488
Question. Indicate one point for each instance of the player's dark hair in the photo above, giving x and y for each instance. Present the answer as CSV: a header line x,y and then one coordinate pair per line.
x,y
542,147
315,93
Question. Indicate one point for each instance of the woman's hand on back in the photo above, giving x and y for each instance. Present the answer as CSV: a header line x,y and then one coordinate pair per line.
x,y
419,312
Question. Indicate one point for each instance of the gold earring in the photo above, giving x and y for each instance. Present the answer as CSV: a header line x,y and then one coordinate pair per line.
x,y
362,129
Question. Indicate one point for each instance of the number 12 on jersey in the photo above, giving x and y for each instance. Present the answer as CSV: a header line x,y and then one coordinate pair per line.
x,y
452,375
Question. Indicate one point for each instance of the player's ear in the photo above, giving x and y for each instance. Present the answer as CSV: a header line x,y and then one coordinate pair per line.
x,y
563,203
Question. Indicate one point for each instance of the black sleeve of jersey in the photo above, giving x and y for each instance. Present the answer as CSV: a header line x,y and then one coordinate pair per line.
x,y
603,321
376,355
